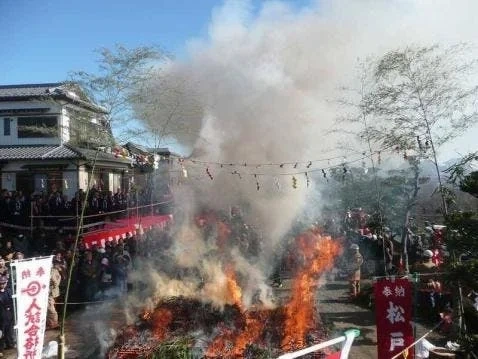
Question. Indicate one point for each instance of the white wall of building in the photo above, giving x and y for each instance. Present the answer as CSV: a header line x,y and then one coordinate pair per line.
x,y
64,126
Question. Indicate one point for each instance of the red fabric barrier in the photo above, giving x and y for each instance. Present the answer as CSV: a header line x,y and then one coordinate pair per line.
x,y
116,230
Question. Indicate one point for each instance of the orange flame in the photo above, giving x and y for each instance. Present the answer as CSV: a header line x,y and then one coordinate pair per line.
x,y
317,253
232,342
161,318
252,330
222,345
234,291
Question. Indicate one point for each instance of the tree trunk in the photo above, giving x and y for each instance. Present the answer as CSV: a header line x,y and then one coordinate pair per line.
x,y
411,204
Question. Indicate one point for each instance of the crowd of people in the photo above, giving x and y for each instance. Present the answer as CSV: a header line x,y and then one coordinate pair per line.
x,y
44,223
97,273
371,253
16,207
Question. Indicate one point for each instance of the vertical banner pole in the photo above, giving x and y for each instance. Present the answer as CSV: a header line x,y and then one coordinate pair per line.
x,y
14,296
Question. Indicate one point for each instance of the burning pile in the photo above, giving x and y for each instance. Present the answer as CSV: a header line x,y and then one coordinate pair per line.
x,y
236,330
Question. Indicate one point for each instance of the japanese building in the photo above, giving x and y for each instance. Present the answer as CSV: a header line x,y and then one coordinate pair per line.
x,y
51,135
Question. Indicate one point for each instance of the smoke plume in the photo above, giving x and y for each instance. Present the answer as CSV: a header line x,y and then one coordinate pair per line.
x,y
260,88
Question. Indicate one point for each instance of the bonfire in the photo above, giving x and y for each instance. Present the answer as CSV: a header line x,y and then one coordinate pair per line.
x,y
191,328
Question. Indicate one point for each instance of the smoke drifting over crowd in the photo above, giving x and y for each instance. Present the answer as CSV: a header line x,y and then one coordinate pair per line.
x,y
261,87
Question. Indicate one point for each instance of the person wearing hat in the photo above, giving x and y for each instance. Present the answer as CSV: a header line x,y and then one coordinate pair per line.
x,y
429,287
355,262
6,308
426,268
426,265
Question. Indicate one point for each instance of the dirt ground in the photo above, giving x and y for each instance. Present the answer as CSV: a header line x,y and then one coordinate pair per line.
x,y
340,314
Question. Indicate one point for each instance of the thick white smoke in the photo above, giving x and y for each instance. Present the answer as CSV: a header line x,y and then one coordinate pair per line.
x,y
261,89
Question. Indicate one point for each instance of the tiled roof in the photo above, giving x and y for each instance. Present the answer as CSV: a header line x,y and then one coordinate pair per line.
x,y
61,152
52,152
37,152
68,91
134,147
28,90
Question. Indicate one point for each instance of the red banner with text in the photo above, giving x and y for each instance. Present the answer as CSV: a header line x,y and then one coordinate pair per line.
x,y
394,310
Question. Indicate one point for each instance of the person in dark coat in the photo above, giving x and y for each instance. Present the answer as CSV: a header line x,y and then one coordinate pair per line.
x,y
17,210
22,244
6,313
8,251
89,271
121,263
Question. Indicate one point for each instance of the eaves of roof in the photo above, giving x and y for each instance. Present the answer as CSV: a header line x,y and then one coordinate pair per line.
x,y
36,152
134,147
15,91
54,91
55,152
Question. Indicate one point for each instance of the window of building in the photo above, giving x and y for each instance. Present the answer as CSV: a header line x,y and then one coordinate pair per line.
x,y
6,126
40,182
37,126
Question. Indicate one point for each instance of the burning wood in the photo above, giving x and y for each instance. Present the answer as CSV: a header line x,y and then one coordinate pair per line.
x,y
236,331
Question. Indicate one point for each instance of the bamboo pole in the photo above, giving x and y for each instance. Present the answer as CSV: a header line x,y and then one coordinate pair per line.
x,y
61,337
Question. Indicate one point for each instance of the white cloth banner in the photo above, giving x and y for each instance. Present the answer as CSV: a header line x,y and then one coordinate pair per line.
x,y
32,284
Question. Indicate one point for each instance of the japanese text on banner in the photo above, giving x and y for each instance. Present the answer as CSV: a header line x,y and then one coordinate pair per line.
x,y
393,310
32,277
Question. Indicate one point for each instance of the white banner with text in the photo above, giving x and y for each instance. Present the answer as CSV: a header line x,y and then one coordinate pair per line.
x,y
32,285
